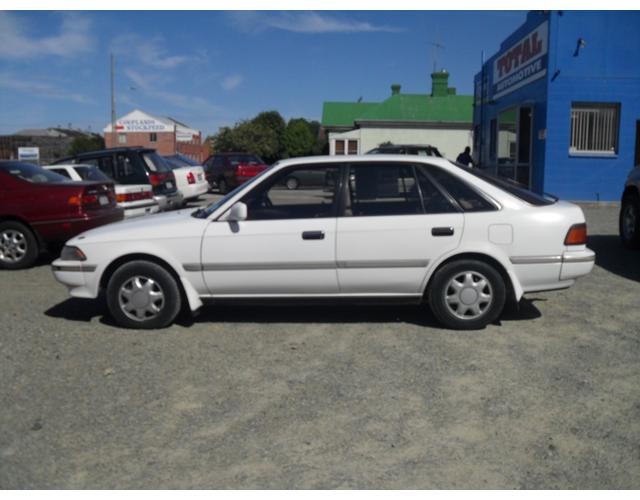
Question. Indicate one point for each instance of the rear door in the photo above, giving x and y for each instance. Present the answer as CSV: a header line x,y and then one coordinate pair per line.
x,y
395,223
287,245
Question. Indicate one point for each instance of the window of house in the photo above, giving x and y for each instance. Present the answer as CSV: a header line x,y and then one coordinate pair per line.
x,y
339,147
377,190
594,128
353,147
314,195
122,138
153,137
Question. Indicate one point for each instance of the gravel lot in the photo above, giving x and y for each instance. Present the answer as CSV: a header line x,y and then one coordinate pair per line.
x,y
321,397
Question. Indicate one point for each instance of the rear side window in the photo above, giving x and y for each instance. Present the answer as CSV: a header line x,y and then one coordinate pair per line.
x,y
467,197
91,174
129,172
61,171
378,190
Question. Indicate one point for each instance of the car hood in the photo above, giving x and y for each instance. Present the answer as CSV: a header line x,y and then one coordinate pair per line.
x,y
177,224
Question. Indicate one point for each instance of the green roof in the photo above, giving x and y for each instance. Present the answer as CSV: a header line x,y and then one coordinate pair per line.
x,y
401,108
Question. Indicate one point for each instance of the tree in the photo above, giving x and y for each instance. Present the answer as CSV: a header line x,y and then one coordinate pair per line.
x,y
85,144
298,138
273,121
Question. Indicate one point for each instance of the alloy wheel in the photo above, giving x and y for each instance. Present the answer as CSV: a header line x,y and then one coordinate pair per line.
x,y
13,246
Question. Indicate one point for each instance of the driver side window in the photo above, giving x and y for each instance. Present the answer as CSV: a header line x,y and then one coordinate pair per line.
x,y
302,192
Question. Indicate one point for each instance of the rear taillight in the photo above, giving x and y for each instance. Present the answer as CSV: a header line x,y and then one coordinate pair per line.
x,y
577,235
144,195
93,198
155,180
191,179
248,170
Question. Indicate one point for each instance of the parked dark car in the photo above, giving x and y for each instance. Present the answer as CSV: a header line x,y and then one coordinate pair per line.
x,y
41,210
406,149
228,170
135,165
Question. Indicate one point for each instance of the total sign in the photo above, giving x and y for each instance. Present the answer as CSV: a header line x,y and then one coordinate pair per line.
x,y
522,63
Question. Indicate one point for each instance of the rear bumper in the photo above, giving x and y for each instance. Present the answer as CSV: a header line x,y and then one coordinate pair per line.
x,y
552,272
169,201
138,211
194,190
60,231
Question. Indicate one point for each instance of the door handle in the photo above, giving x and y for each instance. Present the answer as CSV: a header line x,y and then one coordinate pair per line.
x,y
313,235
442,231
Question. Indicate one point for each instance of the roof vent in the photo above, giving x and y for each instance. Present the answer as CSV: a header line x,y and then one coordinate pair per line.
x,y
395,89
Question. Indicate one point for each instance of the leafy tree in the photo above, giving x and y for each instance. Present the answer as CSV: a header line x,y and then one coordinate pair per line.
x,y
298,138
86,144
274,121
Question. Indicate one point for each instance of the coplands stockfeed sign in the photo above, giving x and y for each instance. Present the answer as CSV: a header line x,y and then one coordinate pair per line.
x,y
142,125
522,63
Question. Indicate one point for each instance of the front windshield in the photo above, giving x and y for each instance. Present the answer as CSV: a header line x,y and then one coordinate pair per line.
x,y
203,213
31,173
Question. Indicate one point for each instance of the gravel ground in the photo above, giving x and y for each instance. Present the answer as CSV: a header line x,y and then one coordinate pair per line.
x,y
342,397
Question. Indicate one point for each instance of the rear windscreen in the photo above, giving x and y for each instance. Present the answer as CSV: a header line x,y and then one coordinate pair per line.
x,y
245,160
31,173
510,187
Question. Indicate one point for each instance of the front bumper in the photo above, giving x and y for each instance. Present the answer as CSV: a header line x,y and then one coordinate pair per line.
x,y
79,277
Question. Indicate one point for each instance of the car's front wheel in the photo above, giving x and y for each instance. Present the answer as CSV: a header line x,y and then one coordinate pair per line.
x,y
630,221
143,294
18,246
467,294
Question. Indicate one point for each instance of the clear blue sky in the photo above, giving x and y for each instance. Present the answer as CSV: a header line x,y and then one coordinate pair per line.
x,y
210,69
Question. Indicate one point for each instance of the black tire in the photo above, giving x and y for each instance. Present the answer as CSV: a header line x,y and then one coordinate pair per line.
x,y
629,221
292,183
162,280
442,295
223,187
18,246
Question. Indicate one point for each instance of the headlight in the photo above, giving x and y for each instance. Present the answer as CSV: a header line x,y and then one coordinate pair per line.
x,y
72,253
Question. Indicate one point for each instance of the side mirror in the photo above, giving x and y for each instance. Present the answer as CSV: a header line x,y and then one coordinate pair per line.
x,y
237,212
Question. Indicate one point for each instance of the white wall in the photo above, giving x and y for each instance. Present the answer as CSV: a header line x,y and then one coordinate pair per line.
x,y
450,142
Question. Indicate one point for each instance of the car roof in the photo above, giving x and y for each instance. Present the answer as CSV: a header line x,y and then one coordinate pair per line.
x,y
364,159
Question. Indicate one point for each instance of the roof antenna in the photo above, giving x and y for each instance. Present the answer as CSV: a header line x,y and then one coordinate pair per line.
x,y
435,47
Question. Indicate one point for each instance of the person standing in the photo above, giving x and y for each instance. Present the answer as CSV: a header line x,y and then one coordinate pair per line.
x,y
465,157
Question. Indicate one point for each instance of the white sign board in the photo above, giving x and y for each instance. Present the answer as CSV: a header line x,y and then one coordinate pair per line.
x,y
29,154
142,125
522,63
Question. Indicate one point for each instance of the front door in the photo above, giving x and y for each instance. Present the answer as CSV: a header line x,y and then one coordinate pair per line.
x,y
395,224
287,244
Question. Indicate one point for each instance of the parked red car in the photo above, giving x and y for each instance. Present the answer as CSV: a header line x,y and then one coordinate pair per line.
x,y
228,170
40,209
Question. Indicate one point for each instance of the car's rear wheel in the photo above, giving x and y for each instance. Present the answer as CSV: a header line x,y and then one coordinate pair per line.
x,y
143,294
629,222
467,294
18,246
223,187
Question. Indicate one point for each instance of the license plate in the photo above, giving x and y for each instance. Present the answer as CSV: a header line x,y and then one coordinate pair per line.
x,y
199,177
169,185
103,200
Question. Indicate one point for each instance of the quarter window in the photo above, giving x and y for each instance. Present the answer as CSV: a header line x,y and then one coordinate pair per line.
x,y
377,190
467,197
297,193
594,128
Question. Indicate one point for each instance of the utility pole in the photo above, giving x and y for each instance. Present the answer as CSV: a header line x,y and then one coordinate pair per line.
x,y
113,103
436,46
481,131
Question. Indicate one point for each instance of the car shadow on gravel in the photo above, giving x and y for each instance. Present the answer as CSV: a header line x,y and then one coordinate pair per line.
x,y
613,257
85,310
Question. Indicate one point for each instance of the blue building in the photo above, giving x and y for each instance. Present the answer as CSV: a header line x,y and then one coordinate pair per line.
x,y
557,109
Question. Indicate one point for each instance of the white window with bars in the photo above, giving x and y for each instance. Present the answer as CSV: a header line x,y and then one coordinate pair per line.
x,y
594,128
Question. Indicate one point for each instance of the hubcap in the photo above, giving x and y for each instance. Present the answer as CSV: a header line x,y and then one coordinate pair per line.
x,y
141,298
468,295
629,222
13,246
